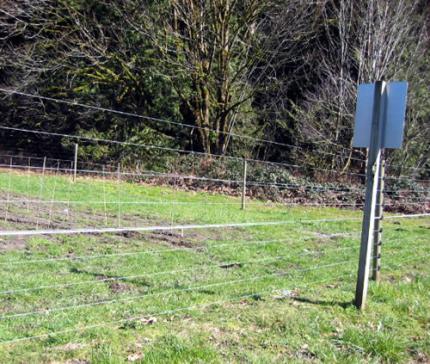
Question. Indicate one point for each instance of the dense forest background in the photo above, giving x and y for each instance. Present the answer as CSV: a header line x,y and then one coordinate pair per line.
x,y
279,70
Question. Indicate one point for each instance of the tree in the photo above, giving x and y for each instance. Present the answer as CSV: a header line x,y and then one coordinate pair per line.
x,y
281,70
359,42
207,51
84,51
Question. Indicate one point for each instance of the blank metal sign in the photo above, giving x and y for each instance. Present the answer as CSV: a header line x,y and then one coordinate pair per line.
x,y
395,94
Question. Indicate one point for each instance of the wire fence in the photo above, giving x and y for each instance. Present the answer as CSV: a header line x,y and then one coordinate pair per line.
x,y
241,289
56,195
88,245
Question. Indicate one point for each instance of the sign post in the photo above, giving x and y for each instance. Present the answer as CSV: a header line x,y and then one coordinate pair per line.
x,y
379,122
372,174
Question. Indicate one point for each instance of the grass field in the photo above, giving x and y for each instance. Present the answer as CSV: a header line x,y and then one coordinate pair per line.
x,y
279,293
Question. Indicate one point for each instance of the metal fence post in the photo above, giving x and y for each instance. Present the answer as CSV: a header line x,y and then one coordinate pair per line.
x,y
244,184
118,175
372,179
377,238
75,162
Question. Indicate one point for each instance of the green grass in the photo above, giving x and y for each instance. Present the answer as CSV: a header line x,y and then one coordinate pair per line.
x,y
286,295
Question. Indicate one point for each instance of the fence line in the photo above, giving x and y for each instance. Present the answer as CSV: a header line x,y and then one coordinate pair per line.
x,y
169,149
23,156
124,113
194,268
171,311
110,255
163,293
52,201
153,174
190,283
146,174
405,216
199,266
410,202
160,228
21,233
154,314
166,121
388,178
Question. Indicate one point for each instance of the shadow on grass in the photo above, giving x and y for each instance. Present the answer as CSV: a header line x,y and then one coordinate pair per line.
x,y
323,303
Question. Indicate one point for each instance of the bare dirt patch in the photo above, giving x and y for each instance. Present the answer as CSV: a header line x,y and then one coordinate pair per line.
x,y
12,244
19,214
172,238
119,287
58,215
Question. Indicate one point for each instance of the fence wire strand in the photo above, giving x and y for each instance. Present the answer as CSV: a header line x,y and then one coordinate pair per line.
x,y
50,198
158,313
